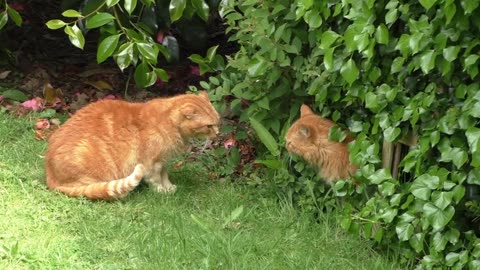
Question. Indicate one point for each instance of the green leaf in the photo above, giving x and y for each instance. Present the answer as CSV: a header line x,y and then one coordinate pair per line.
x,y
71,13
336,134
471,60
427,4
416,241
328,38
202,9
371,101
14,94
75,35
437,217
391,16
257,67
391,133
107,47
379,176
124,56
451,53
4,19
99,19
423,185
387,188
381,34
148,51
265,137
442,199
349,71
130,5
456,155
176,9
473,138
55,24
427,61
143,76
313,19
111,3
162,74
404,231
211,53
439,242
14,15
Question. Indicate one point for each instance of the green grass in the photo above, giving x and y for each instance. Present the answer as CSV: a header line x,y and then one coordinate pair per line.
x,y
200,227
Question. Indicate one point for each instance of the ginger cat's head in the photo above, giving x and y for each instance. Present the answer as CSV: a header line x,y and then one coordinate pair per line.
x,y
308,138
197,118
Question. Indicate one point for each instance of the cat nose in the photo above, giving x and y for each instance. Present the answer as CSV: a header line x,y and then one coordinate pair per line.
x,y
216,131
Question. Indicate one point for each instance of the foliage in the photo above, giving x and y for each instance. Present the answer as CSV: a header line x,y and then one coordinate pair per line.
x,y
136,32
8,12
382,69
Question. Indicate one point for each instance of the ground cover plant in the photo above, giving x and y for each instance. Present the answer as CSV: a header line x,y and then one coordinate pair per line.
x,y
386,71
205,225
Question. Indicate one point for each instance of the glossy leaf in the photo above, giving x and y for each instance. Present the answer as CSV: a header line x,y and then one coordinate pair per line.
x,y
4,19
75,35
14,15
176,9
107,47
71,13
55,24
130,5
404,231
203,10
144,77
427,4
438,218
427,61
99,19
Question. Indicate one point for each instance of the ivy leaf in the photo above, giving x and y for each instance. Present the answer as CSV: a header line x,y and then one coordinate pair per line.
x,y
327,39
404,231
99,19
439,242
427,61
437,217
427,4
381,34
336,134
349,71
473,138
107,47
416,241
265,137
176,9
455,154
391,133
313,19
442,199
379,176
451,53
423,185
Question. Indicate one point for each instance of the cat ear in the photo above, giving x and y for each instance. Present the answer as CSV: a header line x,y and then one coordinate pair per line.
x,y
304,131
305,110
188,111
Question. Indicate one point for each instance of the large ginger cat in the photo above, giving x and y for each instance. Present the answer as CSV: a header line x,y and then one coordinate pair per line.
x,y
107,147
308,138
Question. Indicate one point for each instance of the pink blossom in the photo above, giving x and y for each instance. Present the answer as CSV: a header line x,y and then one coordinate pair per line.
x,y
1,98
160,37
195,70
34,104
109,97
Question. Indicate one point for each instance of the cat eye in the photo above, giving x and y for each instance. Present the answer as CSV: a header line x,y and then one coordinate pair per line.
x,y
305,131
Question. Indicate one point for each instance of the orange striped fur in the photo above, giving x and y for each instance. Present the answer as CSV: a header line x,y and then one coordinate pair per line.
x,y
107,147
308,138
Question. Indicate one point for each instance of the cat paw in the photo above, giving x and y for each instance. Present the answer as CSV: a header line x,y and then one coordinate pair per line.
x,y
167,189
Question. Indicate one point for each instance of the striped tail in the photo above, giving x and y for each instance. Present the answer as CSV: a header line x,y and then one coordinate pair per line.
x,y
106,190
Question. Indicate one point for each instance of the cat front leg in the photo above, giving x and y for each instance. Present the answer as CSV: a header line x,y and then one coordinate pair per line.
x,y
159,179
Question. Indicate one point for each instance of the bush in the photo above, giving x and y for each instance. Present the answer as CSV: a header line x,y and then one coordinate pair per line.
x,y
386,70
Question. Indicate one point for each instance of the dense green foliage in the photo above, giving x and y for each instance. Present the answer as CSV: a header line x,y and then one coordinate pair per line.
x,y
384,70
136,32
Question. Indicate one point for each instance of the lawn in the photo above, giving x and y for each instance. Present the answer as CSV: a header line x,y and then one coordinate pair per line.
x,y
205,225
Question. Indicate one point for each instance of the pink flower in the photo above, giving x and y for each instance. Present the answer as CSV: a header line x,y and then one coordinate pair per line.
x,y
1,98
195,70
160,37
109,97
34,104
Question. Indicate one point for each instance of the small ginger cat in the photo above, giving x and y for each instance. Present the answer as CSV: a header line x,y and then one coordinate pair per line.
x,y
107,147
308,138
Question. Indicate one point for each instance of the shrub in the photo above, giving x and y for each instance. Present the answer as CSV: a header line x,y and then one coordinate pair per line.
x,y
386,70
